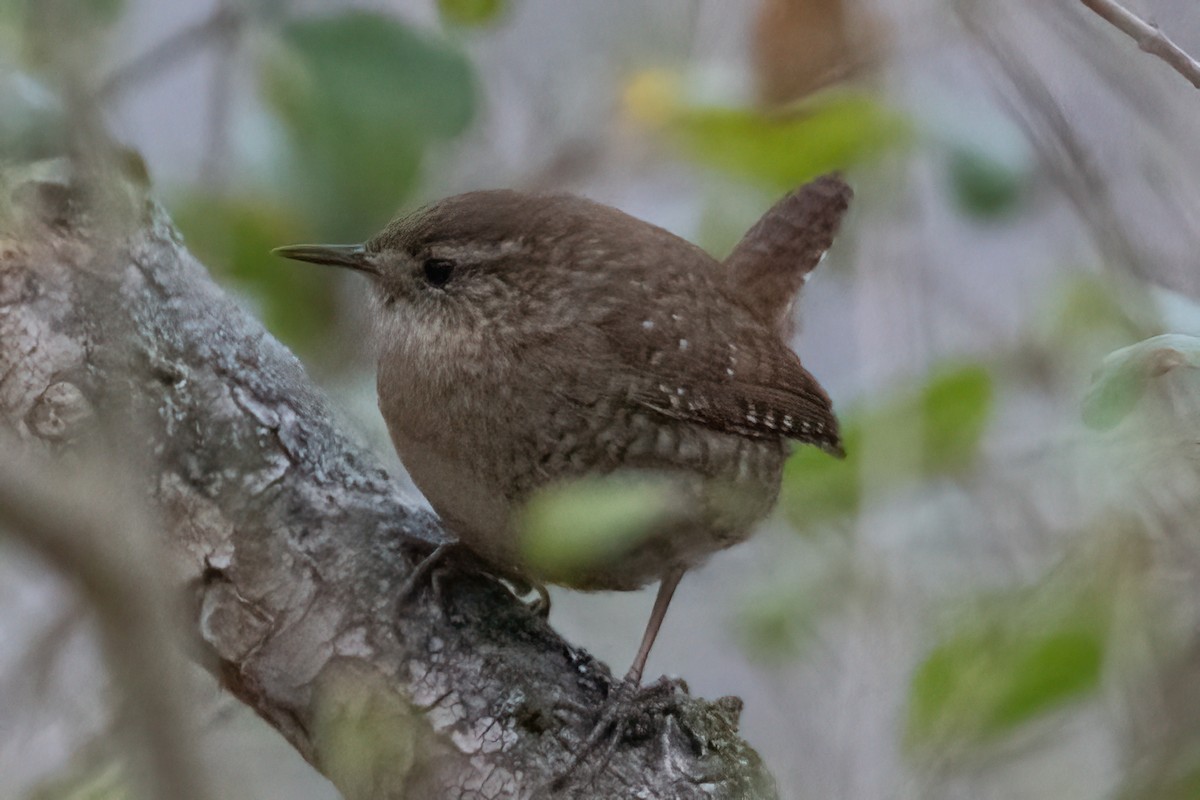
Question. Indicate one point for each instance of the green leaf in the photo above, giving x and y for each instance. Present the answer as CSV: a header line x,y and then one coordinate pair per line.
x,y
1013,659
942,426
984,186
1088,310
471,13
362,97
585,523
989,161
781,152
1124,375
818,487
954,409
97,776
363,731
104,12
235,235
78,14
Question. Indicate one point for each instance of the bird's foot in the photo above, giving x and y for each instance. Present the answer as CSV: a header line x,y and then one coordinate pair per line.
x,y
628,712
522,588
424,570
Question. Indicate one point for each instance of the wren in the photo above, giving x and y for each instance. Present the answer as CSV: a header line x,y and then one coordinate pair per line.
x,y
527,340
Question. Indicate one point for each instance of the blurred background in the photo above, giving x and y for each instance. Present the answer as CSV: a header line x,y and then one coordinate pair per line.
x,y
996,595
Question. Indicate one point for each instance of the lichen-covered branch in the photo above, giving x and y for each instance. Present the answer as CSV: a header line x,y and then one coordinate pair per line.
x,y
292,540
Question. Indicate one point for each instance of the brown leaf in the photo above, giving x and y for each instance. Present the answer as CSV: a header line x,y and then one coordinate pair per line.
x,y
801,46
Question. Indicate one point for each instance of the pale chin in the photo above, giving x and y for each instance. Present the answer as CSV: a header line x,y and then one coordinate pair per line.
x,y
385,320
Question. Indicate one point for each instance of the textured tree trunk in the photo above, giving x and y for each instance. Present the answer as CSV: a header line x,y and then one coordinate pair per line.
x,y
293,540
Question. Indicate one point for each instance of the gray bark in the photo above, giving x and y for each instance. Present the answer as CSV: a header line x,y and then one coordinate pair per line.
x,y
293,540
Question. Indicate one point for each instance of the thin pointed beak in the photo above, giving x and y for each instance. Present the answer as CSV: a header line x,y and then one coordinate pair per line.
x,y
351,256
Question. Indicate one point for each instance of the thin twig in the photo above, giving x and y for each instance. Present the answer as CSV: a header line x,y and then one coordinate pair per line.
x,y
1066,159
1148,37
170,51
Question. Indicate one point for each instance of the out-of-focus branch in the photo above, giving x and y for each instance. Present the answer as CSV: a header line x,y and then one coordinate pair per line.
x,y
178,47
293,541
89,537
220,109
1034,107
1148,37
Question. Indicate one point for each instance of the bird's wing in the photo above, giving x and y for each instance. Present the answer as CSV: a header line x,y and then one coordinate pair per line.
x,y
724,372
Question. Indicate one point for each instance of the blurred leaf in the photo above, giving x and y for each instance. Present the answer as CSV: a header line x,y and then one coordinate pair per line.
x,y
771,626
235,236
1088,309
730,209
783,151
472,12
1088,318
989,161
800,46
818,487
587,522
985,682
97,777
101,11
1124,375
1007,662
953,411
79,14
984,186
780,614
363,731
947,417
362,96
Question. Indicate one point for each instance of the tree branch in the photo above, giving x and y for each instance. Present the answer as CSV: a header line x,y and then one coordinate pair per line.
x,y
77,524
293,540
1148,37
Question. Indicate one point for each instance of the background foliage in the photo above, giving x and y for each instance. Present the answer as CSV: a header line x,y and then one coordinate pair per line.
x,y
997,587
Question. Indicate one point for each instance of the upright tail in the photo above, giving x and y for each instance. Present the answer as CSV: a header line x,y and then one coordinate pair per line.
x,y
772,261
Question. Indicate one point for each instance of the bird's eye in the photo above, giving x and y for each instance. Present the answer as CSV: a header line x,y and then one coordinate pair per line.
x,y
438,271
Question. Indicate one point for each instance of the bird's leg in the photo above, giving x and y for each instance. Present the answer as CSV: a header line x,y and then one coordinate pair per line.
x,y
620,704
666,590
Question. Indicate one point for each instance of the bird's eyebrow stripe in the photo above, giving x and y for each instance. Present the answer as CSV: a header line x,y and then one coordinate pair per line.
x,y
468,252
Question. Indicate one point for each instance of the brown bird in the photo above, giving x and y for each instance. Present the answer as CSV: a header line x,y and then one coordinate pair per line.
x,y
529,340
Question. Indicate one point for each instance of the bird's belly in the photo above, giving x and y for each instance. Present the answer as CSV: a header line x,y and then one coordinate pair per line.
x,y
475,510
723,486
719,487
707,515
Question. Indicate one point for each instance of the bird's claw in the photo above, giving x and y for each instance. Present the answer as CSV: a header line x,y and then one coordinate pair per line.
x,y
629,704
423,570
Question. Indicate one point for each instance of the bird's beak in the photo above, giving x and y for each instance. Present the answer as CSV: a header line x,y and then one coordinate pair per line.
x,y
351,256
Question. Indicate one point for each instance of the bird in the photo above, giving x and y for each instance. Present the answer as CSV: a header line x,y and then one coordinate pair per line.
x,y
525,341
